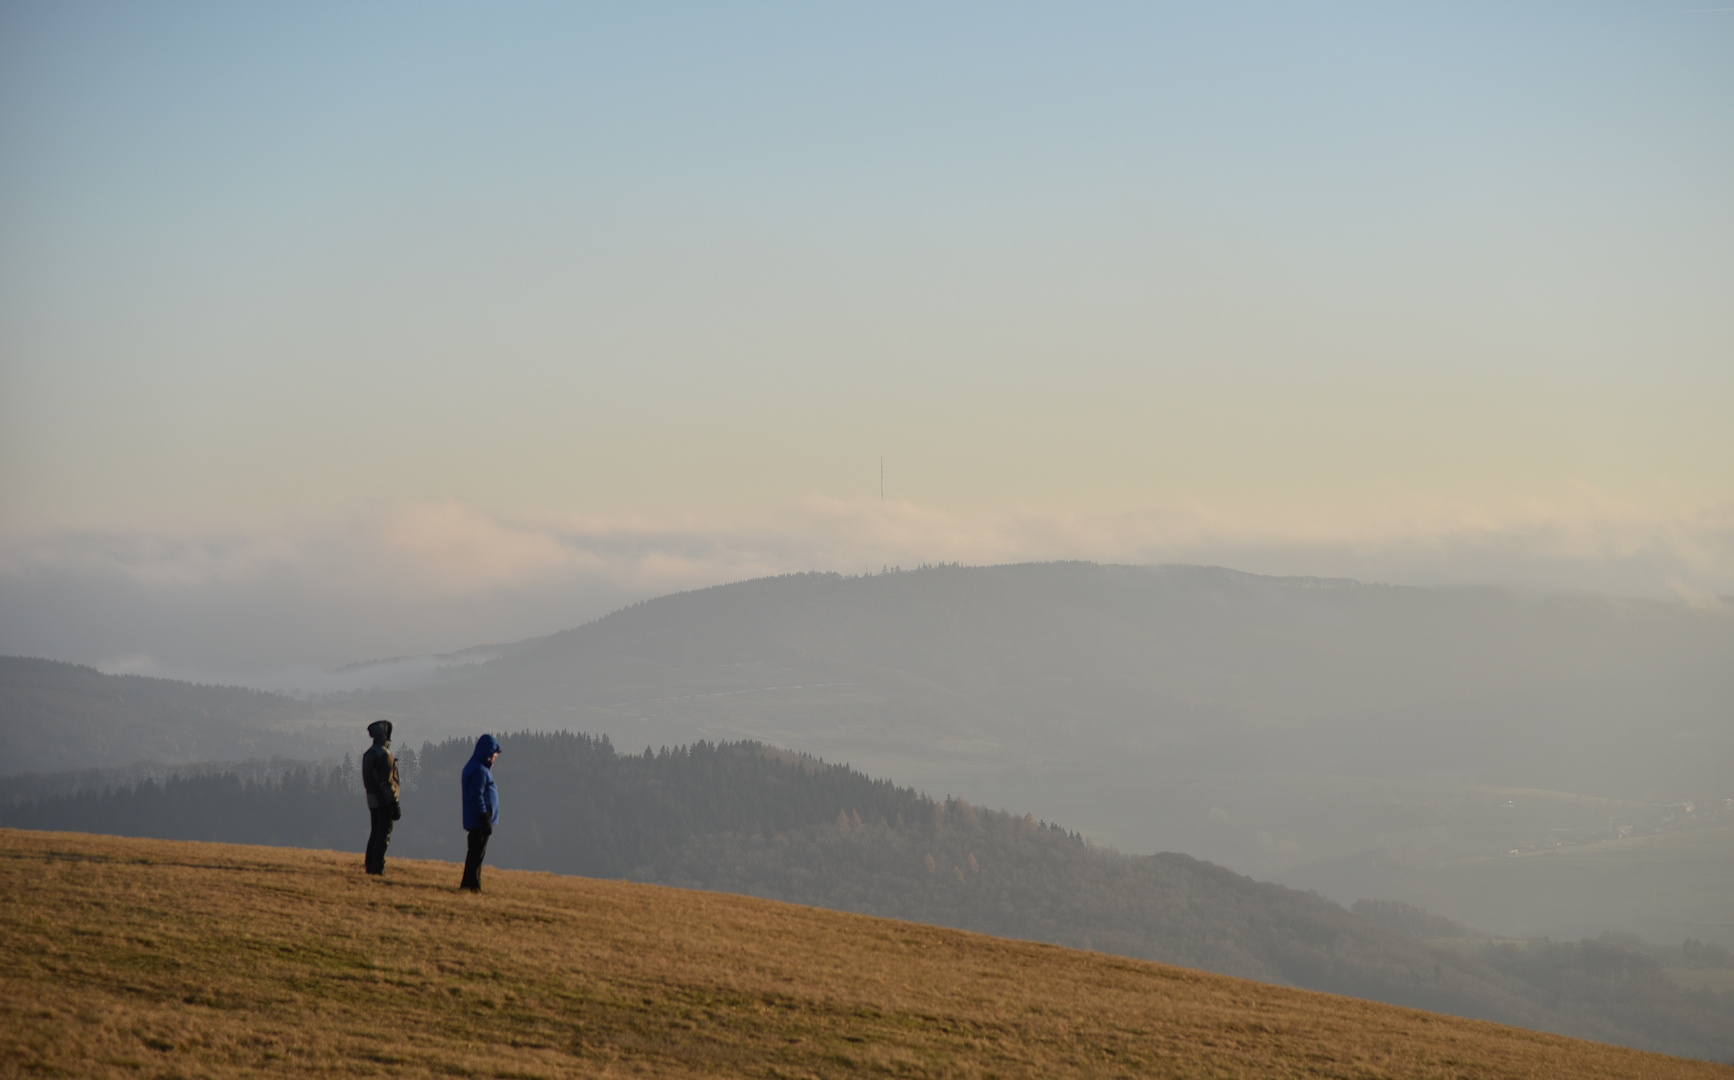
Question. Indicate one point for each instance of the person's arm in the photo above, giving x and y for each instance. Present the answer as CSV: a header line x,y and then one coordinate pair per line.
x,y
370,781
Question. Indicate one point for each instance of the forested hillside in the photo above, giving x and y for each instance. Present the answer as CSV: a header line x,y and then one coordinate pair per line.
x,y
746,818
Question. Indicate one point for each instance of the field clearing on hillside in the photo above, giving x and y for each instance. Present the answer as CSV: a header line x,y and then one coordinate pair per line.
x,y
153,958
1717,980
1666,887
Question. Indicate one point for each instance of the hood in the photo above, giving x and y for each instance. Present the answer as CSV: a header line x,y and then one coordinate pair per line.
x,y
486,747
380,730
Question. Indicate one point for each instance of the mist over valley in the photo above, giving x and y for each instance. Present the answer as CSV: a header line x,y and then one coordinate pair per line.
x,y
1519,765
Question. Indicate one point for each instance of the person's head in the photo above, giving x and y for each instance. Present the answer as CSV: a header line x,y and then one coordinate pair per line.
x,y
380,730
487,749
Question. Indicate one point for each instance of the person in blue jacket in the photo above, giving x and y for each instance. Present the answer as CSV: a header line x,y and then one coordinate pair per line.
x,y
481,808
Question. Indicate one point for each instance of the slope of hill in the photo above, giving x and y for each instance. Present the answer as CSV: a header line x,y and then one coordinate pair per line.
x,y
131,957
746,819
1156,708
56,716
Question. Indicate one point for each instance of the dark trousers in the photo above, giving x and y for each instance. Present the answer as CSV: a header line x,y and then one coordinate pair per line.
x,y
378,839
473,858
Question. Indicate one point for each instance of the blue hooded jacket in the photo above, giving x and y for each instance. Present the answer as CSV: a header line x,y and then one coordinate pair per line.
x,y
481,797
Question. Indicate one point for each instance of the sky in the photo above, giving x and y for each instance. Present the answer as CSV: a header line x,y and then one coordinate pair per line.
x,y
331,332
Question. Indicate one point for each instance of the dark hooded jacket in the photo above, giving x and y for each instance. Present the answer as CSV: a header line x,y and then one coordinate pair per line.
x,y
379,769
481,797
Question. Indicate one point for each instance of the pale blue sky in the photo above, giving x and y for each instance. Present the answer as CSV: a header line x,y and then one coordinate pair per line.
x,y
1298,278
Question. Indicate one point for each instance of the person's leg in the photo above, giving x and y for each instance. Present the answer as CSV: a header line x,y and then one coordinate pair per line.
x,y
484,834
376,841
384,829
478,847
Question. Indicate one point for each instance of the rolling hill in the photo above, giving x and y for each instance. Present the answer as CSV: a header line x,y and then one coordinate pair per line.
x,y
129,957
56,717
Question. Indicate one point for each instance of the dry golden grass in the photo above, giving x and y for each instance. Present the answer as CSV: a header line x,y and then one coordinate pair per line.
x,y
144,958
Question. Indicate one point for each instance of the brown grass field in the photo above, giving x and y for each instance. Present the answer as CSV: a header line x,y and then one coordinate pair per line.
x,y
147,958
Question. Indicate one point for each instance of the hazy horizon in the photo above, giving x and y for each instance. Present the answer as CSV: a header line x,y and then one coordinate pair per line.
x,y
303,655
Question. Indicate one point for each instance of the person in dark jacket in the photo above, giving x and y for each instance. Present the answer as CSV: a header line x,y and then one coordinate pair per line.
x,y
379,780
481,808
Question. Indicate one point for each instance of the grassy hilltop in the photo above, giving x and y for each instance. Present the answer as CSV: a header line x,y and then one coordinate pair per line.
x,y
128,957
